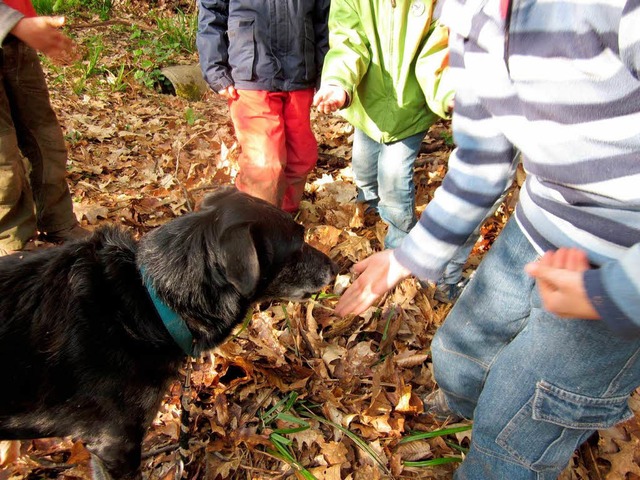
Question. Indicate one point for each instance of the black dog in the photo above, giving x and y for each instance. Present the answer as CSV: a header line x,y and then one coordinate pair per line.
x,y
81,325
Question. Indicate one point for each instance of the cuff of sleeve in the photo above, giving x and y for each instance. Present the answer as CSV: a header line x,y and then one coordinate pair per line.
x,y
332,82
9,18
347,102
221,84
615,318
405,257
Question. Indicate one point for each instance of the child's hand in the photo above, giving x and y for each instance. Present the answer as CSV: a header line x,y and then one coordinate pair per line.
x,y
230,93
329,98
559,276
42,34
378,274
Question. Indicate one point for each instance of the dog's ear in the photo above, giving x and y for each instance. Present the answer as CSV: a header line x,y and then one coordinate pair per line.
x,y
211,199
239,259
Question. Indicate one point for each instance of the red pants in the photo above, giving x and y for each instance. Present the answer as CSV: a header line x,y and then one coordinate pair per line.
x,y
278,145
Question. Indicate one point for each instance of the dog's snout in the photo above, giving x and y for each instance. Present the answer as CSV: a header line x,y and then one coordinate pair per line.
x,y
325,266
331,272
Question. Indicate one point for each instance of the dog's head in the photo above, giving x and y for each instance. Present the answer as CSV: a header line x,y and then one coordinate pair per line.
x,y
235,245
263,250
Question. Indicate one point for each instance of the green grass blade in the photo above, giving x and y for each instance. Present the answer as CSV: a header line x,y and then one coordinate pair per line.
x,y
287,417
285,431
356,439
433,462
283,406
285,454
245,323
457,447
280,440
436,433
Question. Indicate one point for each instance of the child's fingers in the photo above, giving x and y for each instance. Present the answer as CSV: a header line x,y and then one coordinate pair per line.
x,y
361,266
546,259
577,260
319,98
566,258
55,22
559,258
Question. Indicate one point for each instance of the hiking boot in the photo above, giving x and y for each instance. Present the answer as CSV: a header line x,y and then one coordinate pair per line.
x,y
435,404
66,235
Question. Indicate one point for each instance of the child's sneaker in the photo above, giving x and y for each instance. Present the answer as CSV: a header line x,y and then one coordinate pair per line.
x,y
436,405
449,292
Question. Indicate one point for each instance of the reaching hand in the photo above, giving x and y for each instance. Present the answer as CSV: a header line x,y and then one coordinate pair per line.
x,y
559,276
230,92
379,273
43,35
329,98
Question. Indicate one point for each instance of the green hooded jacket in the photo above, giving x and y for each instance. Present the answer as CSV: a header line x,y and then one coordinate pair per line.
x,y
391,59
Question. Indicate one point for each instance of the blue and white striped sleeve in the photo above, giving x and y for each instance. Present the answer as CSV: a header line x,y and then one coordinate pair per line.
x,y
480,169
614,291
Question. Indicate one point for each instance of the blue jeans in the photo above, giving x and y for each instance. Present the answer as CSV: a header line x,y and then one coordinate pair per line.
x,y
384,176
537,386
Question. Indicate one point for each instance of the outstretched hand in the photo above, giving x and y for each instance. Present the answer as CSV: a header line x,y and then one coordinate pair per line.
x,y
379,273
329,98
559,276
43,34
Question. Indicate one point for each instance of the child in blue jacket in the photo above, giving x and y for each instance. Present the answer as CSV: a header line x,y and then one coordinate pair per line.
x,y
265,58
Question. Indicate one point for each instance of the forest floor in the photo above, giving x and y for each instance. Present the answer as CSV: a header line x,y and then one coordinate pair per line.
x,y
297,391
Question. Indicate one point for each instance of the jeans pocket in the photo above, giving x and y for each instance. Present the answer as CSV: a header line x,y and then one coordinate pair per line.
x,y
571,410
554,422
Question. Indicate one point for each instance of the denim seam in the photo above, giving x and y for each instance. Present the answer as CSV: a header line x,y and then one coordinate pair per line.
x,y
481,364
455,395
523,325
471,359
506,432
581,426
577,398
615,383
523,322
513,460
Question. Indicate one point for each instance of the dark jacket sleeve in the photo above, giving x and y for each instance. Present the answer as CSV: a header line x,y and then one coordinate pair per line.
x,y
321,30
213,43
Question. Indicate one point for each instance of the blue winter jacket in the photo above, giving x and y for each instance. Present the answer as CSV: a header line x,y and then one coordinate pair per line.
x,y
274,45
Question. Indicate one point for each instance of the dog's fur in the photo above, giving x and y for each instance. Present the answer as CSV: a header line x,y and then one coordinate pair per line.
x,y
84,349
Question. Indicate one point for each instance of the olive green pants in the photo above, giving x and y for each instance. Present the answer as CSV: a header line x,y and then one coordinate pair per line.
x,y
34,195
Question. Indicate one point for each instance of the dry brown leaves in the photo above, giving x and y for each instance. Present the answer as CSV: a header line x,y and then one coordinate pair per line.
x,y
136,160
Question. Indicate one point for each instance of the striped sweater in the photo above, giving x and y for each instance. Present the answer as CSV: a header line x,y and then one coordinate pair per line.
x,y
563,88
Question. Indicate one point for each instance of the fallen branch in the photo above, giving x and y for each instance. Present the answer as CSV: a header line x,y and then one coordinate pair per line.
x,y
107,23
158,451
